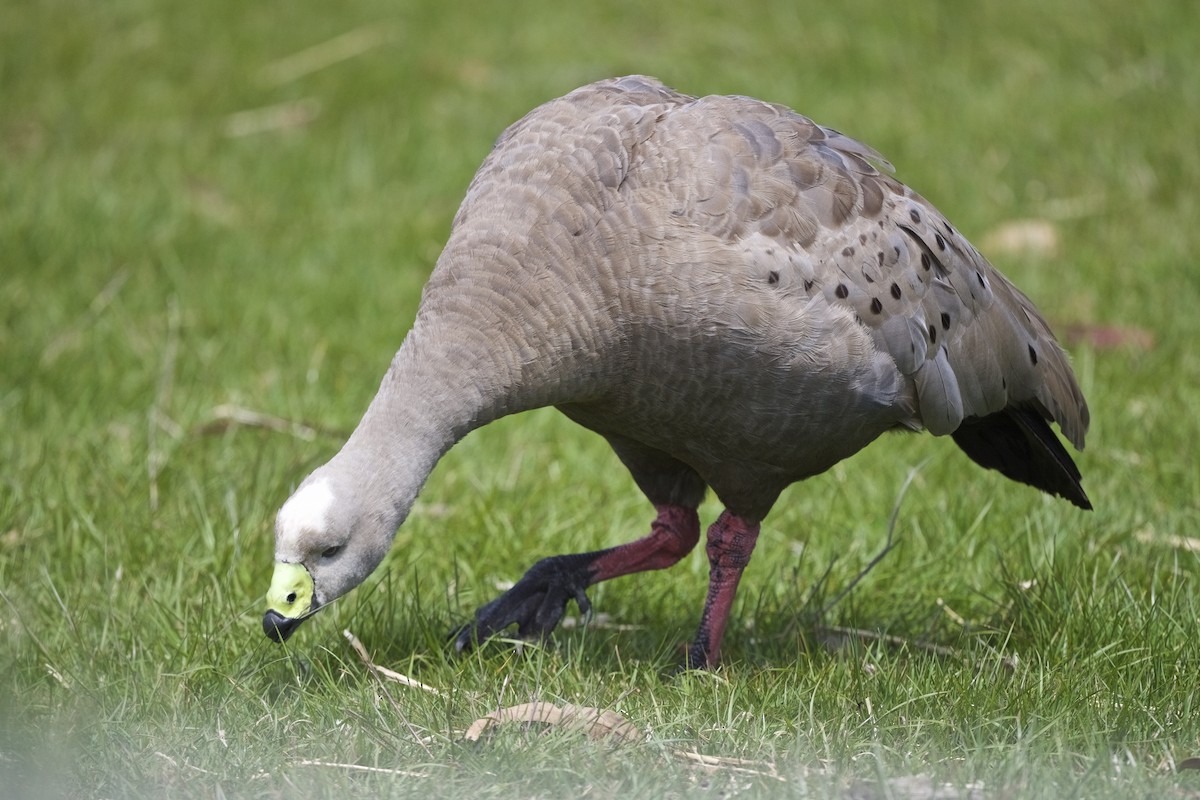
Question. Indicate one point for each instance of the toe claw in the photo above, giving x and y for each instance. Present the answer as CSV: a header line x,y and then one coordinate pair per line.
x,y
463,637
585,605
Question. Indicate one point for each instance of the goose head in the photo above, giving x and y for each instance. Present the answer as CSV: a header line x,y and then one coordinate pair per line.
x,y
325,545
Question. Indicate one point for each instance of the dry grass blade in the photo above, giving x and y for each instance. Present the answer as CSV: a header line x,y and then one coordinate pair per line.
x,y
71,335
278,117
1022,237
384,672
213,204
887,545
600,621
835,636
915,787
1148,536
156,457
360,768
595,723
383,675
743,765
227,415
326,54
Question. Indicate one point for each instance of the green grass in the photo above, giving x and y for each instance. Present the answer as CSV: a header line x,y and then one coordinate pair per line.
x,y
154,267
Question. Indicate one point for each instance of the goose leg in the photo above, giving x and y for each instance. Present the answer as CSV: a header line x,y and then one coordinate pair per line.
x,y
730,542
537,601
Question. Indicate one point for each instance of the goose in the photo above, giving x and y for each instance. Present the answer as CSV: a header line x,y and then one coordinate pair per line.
x,y
734,297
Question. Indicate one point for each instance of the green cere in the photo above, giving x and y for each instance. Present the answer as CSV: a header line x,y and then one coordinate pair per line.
x,y
291,591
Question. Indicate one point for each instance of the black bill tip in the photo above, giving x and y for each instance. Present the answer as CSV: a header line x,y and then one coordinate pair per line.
x,y
277,627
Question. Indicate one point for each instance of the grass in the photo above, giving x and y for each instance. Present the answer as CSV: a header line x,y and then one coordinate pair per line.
x,y
158,259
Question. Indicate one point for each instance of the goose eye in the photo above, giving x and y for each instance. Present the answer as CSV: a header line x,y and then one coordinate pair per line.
x,y
330,552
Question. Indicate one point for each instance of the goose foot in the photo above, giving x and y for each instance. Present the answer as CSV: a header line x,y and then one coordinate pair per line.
x,y
535,604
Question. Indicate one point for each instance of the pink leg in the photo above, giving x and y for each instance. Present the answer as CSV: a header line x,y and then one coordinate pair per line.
x,y
730,542
672,536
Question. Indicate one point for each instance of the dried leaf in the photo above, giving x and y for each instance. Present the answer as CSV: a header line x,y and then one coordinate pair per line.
x,y
1188,763
595,723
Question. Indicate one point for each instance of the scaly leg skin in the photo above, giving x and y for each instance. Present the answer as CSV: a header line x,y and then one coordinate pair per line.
x,y
730,542
537,601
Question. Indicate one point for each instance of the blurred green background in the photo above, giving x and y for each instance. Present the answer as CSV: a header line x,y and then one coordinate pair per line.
x,y
226,204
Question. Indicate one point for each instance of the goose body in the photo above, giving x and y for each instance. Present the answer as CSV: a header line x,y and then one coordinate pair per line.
x,y
733,296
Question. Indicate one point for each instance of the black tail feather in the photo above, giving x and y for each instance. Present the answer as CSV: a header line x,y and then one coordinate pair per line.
x,y
1019,443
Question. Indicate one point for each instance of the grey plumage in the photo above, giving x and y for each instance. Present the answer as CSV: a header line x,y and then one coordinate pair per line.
x,y
734,296
639,232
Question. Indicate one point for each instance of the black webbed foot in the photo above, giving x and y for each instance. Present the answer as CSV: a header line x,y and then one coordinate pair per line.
x,y
535,604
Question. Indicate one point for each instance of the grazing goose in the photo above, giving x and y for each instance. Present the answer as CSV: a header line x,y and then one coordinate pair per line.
x,y
735,297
